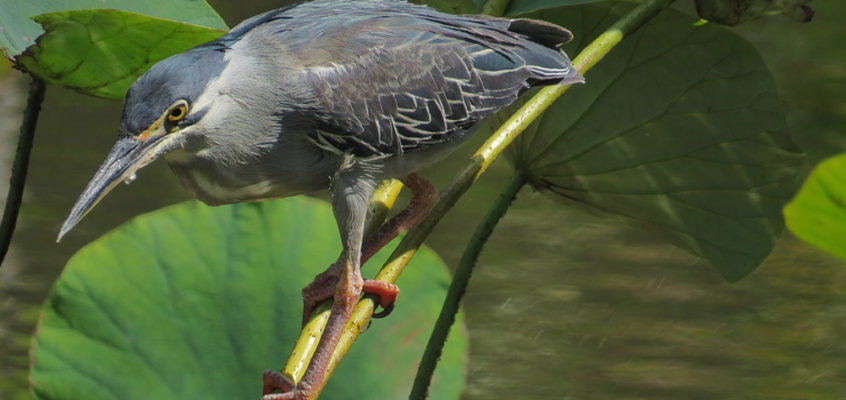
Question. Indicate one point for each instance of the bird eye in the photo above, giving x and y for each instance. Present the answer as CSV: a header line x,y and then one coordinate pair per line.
x,y
177,113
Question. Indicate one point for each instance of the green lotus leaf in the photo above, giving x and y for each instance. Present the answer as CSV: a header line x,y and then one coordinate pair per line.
x,y
456,6
18,31
518,7
102,52
679,129
194,302
735,12
817,214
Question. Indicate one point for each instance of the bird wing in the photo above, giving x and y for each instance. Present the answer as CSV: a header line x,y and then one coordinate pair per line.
x,y
391,77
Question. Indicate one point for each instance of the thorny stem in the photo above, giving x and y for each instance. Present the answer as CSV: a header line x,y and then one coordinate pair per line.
x,y
477,164
420,389
20,165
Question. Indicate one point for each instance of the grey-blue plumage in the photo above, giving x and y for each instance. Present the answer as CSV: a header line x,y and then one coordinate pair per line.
x,y
403,77
277,106
334,94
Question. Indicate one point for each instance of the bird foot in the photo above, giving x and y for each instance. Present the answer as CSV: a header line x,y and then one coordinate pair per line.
x,y
274,381
324,286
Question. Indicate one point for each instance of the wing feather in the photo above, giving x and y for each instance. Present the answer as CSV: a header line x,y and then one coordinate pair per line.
x,y
389,77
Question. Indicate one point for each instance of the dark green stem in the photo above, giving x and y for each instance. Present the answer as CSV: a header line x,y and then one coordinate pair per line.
x,y
420,389
20,165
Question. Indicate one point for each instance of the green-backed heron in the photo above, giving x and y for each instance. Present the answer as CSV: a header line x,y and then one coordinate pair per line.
x,y
331,94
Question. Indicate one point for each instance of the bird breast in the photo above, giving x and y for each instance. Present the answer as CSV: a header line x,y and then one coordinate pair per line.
x,y
279,171
215,186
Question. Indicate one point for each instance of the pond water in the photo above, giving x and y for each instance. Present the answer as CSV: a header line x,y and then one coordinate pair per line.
x,y
563,305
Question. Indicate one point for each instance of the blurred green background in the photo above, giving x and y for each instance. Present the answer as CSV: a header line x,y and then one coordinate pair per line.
x,y
563,305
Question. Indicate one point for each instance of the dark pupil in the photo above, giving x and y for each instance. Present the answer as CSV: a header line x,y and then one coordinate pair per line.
x,y
176,113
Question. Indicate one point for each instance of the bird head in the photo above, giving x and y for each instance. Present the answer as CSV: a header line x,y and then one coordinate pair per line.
x,y
160,111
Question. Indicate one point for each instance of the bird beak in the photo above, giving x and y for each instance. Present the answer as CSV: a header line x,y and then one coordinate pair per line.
x,y
128,155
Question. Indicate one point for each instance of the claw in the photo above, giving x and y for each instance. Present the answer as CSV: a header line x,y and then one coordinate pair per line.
x,y
385,312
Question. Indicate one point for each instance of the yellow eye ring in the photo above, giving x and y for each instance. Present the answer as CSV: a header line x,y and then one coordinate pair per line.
x,y
177,113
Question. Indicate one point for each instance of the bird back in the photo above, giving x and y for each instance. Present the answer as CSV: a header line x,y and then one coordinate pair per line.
x,y
389,77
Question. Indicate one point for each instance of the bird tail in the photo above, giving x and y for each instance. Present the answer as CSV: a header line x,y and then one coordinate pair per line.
x,y
541,32
541,51
549,67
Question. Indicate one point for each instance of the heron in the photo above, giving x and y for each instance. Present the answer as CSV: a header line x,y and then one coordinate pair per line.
x,y
328,95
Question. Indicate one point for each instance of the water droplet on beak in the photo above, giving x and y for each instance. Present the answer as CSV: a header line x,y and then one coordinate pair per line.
x,y
130,179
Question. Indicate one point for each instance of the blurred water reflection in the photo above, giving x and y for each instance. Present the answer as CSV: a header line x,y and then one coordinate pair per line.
x,y
563,305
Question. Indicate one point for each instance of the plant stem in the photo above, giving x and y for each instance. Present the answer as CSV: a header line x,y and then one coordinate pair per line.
x,y
477,164
20,165
420,389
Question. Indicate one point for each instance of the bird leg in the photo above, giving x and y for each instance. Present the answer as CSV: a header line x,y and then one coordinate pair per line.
x,y
343,281
422,201
346,297
323,286
352,188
